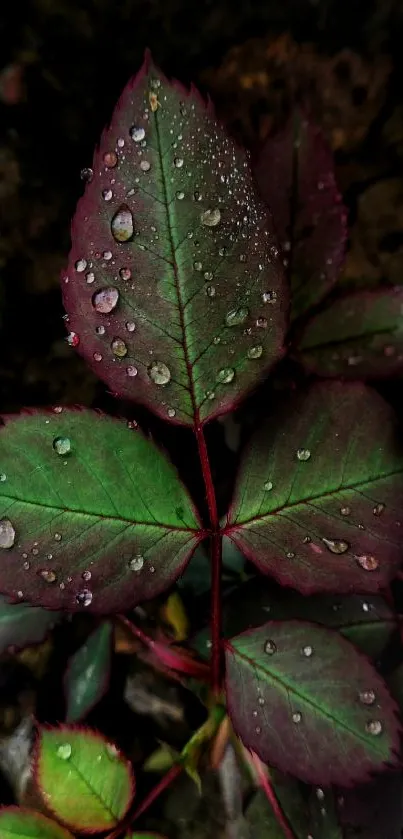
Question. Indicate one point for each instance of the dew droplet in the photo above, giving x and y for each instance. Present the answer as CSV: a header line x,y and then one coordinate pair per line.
x,y
137,134
110,159
198,266
290,554
367,697
107,255
178,162
258,729
226,375
368,562
345,511
105,300
100,330
84,597
320,795
62,445
303,454
122,225
73,339
210,291
159,373
136,563
235,317
255,352
64,751
374,727
119,348
125,273
97,356
90,277
307,651
171,412
261,323
131,370
180,195
261,700
86,575
210,218
269,297
107,194
378,509
80,265
270,647
3,477
58,537
267,486
336,546
145,165
296,717
86,174
7,534
48,575
208,275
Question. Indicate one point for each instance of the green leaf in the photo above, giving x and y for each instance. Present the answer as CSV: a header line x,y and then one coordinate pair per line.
x,y
83,778
22,625
304,699
18,823
358,336
260,817
174,288
92,513
87,676
319,495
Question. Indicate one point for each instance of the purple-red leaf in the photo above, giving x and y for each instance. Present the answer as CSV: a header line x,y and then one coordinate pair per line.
x,y
358,336
319,498
174,289
22,625
304,699
295,174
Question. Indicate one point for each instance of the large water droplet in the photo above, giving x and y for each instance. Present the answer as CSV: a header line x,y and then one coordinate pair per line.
x,y
270,647
303,454
368,562
119,348
62,445
235,317
73,339
64,751
226,375
122,224
110,159
48,575
210,218
105,300
367,697
336,546
145,165
80,265
159,373
137,134
374,727
84,597
255,352
7,534
136,563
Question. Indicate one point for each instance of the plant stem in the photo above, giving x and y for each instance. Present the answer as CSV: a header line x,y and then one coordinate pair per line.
x,y
167,655
130,817
216,562
265,783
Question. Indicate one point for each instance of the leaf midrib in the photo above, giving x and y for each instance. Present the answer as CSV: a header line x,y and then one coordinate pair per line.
x,y
254,665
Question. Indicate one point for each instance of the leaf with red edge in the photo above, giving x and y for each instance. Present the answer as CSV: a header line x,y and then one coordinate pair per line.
x,y
19,823
304,699
22,625
93,514
83,778
358,336
295,174
174,290
319,495
87,676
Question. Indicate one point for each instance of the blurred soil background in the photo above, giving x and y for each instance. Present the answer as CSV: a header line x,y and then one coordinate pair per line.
x,y
63,64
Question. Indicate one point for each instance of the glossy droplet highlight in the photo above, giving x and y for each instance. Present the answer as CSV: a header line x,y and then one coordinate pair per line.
x,y
270,647
255,352
125,273
64,751
211,218
105,300
374,727
226,375
296,717
178,162
7,534
122,225
119,348
137,134
84,597
62,445
136,563
367,697
80,265
303,455
145,166
159,373
368,562
307,651
267,486
132,370
336,546
235,317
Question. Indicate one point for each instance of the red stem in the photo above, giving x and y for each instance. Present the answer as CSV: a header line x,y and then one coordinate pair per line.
x,y
132,815
216,562
266,785
168,656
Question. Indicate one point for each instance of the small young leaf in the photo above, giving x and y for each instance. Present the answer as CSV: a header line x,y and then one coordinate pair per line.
x,y
92,514
304,699
174,289
22,625
83,778
358,336
260,817
18,823
295,175
318,500
87,676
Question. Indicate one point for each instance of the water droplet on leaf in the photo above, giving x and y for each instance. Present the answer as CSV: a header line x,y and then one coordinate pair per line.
x,y
3,477
269,297
303,454
105,300
255,352
368,562
86,174
374,727
307,651
261,323
336,546
137,134
296,717
235,317
145,165
178,162
125,273
7,534
159,373
110,159
226,375
136,563
320,795
270,647
107,194
80,265
378,509
131,371
345,511
64,751
62,445
119,348
122,224
84,597
73,339
48,575
267,486
210,218
367,697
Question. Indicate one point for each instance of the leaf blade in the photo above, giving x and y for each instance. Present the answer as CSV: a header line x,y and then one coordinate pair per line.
x,y
322,493
87,675
195,224
22,625
109,516
290,666
20,823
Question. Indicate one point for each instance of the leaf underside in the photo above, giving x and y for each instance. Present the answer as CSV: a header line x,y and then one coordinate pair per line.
x,y
102,527
306,709
19,823
84,780
318,500
22,625
199,293
87,675
295,174
358,336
